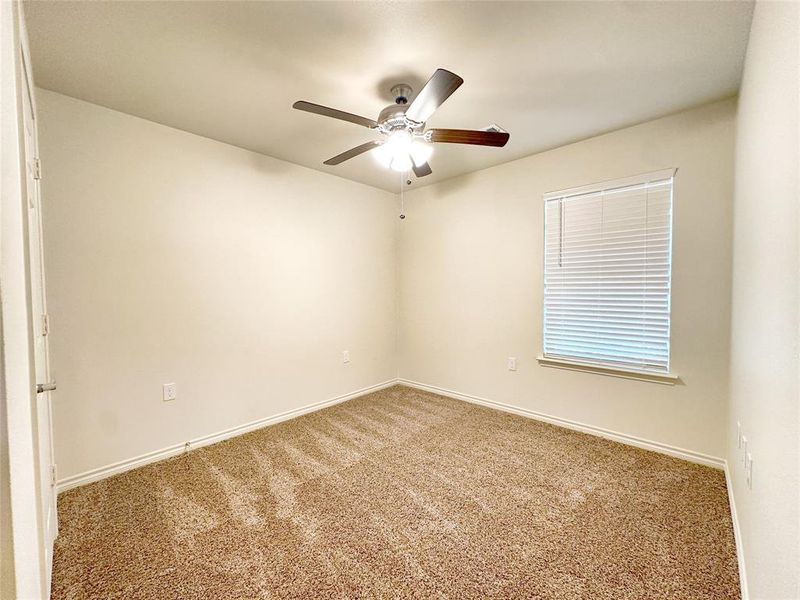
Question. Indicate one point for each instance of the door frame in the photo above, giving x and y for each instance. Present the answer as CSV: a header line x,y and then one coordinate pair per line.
x,y
46,466
17,369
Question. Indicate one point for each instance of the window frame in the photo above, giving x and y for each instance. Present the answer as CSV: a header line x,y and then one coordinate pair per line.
x,y
599,366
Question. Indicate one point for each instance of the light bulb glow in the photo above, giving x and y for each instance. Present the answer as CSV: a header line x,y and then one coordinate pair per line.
x,y
400,142
401,162
420,153
401,151
383,155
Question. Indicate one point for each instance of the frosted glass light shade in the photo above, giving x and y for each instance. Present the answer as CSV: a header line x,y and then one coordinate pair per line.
x,y
401,151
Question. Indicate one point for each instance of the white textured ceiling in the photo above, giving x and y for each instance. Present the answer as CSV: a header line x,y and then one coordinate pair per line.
x,y
548,72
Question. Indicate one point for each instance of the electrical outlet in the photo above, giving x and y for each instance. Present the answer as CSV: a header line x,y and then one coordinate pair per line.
x,y
169,392
512,363
346,356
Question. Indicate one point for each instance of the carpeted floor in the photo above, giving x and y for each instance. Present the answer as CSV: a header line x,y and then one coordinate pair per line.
x,y
402,494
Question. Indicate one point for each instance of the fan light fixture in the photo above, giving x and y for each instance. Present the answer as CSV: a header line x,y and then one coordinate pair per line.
x,y
401,151
407,144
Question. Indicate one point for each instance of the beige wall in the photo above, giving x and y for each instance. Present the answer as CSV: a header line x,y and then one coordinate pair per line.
x,y
171,257
471,282
174,258
765,332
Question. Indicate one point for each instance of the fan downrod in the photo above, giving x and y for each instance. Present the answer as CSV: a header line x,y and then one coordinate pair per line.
x,y
401,92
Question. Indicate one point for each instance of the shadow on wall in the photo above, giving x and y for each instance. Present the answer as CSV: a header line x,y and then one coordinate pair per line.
x,y
448,187
268,165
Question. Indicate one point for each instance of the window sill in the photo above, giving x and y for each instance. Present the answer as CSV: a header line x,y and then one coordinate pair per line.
x,y
573,365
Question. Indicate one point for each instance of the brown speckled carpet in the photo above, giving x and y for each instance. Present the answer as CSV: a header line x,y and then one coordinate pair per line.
x,y
402,494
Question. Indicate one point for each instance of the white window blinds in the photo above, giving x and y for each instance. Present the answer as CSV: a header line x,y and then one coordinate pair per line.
x,y
607,273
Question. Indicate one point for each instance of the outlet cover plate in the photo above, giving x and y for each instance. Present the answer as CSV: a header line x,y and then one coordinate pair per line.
x,y
169,392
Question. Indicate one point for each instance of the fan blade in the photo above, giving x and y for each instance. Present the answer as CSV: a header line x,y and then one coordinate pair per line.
x,y
432,96
318,109
421,170
340,158
469,136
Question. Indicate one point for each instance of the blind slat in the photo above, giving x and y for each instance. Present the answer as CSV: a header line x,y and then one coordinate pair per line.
x,y
614,321
633,332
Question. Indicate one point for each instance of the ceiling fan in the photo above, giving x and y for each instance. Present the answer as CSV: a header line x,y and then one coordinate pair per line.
x,y
407,144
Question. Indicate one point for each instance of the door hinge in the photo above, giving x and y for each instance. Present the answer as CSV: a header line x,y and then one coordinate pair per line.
x,y
37,169
53,475
45,324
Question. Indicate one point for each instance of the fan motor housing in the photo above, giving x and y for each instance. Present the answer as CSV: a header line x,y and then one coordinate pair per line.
x,y
393,118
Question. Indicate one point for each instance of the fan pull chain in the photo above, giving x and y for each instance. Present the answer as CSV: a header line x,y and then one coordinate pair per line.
x,y
403,176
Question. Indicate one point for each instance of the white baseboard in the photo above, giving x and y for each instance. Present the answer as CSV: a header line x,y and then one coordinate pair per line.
x,y
690,455
737,534
174,450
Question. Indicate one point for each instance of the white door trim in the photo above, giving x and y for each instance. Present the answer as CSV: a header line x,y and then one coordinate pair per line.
x,y
17,365
36,285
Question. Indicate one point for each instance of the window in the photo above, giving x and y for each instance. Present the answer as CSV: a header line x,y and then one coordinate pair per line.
x,y
607,262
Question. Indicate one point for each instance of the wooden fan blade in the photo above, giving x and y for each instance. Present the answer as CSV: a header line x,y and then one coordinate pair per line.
x,y
469,136
438,89
422,170
340,158
325,111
